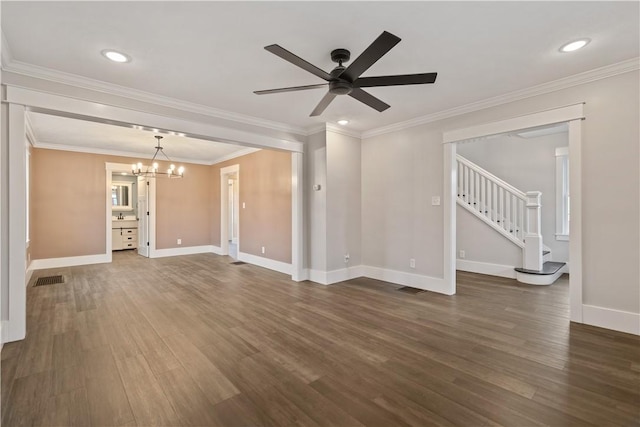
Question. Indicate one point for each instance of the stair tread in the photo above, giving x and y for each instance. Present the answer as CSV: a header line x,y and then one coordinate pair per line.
x,y
549,267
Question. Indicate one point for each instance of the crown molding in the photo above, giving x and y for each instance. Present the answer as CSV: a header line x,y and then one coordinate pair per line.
x,y
17,67
342,131
107,152
6,57
330,127
235,155
553,86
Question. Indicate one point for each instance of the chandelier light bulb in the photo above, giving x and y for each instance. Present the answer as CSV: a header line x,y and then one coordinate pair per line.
x,y
181,170
172,167
155,166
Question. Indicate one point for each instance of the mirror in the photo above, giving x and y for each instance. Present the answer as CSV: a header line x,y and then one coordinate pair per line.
x,y
121,196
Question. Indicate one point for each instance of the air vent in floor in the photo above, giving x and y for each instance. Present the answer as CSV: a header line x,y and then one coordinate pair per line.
x,y
238,263
410,290
49,280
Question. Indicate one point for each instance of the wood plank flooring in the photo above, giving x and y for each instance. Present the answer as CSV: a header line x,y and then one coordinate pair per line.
x,y
196,341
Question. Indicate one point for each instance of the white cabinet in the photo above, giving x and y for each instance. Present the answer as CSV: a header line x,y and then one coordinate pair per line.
x,y
124,238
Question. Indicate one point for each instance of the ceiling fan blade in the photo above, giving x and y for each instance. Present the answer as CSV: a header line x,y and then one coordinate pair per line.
x,y
406,79
296,60
289,89
375,51
324,103
368,99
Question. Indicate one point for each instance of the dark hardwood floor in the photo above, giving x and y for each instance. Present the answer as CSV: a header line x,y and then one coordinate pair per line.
x,y
194,340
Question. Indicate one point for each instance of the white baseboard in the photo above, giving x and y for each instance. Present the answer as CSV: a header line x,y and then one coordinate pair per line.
x,y
335,276
29,274
499,270
271,264
186,250
216,249
427,283
39,264
623,321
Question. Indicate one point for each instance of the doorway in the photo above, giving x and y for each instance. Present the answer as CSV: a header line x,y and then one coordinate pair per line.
x,y
573,116
230,211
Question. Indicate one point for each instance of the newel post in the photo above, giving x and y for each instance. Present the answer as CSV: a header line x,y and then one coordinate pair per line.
x,y
533,236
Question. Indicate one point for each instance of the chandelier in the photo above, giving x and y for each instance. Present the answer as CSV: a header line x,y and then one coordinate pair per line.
x,y
153,171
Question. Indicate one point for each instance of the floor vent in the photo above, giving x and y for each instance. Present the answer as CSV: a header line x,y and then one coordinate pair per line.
x,y
239,263
410,290
49,280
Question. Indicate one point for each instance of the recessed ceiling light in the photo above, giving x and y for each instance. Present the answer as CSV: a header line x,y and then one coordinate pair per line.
x,y
115,56
343,122
575,45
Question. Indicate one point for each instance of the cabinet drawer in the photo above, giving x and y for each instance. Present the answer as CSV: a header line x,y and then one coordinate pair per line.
x,y
128,245
126,239
126,231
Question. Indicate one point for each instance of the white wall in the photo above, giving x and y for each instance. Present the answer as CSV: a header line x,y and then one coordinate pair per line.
x,y
315,170
529,164
343,201
402,169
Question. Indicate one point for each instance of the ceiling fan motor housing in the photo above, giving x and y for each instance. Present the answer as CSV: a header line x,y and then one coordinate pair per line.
x,y
338,86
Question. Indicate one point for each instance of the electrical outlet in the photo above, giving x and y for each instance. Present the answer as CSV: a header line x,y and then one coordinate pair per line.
x,y
461,254
346,258
263,249
179,241
412,263
435,201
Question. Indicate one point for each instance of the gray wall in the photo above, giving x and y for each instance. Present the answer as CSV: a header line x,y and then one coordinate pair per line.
x,y
529,164
403,169
343,201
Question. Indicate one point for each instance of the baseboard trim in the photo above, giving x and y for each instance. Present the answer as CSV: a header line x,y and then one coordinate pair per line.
x,y
39,264
335,276
618,320
29,274
187,250
499,270
427,283
271,264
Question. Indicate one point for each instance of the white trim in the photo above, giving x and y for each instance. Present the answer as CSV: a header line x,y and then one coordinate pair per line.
x,y
532,120
48,74
562,237
450,172
17,245
553,86
39,264
224,206
297,216
336,276
102,113
542,118
618,320
330,127
271,264
29,274
427,283
31,136
491,269
575,243
538,279
186,250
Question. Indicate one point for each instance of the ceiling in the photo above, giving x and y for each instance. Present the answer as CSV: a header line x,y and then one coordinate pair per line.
x,y
211,53
78,135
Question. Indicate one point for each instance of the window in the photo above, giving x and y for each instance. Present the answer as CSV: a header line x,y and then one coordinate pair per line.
x,y
563,197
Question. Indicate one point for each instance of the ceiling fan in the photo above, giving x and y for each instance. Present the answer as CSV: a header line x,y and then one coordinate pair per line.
x,y
346,80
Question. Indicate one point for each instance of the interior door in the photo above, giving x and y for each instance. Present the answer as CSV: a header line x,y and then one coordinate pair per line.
x,y
143,216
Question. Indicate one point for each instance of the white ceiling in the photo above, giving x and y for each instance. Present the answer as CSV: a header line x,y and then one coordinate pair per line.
x,y
211,53
77,135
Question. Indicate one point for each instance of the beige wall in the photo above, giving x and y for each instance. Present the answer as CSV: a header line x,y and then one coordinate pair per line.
x,y
183,209
265,189
68,205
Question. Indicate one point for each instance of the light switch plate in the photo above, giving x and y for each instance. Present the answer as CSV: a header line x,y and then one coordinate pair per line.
x,y
435,200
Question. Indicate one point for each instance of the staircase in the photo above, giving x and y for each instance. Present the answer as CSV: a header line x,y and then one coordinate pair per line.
x,y
510,212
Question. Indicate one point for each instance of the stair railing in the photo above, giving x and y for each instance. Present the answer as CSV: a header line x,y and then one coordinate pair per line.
x,y
511,212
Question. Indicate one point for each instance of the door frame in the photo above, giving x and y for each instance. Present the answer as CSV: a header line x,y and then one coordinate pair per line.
x,y
225,173
143,218
110,168
573,115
